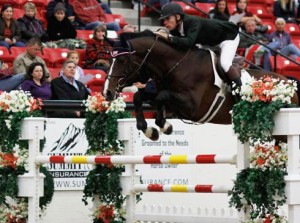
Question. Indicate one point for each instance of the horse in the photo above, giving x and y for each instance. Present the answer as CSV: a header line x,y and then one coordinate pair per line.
x,y
184,78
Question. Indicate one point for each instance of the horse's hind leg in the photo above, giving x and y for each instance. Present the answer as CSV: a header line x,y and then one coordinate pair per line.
x,y
141,124
160,120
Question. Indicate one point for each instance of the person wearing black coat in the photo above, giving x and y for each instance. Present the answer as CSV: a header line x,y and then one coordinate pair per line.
x,y
66,87
59,26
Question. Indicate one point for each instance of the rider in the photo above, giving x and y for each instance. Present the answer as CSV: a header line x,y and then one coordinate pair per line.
x,y
187,30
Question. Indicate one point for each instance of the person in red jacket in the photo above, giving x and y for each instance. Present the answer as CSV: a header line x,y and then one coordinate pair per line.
x,y
91,15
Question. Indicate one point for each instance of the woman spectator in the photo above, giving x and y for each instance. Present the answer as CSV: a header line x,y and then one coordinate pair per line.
x,y
59,26
9,29
35,82
241,9
98,50
220,11
30,26
285,9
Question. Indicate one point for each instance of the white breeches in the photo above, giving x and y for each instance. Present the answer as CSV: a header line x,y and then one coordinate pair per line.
x,y
228,50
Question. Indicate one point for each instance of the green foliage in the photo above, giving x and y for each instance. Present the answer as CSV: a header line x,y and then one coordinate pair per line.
x,y
260,190
101,130
254,119
48,187
104,181
8,182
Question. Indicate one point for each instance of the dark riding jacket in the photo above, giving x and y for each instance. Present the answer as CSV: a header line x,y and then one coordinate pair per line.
x,y
203,31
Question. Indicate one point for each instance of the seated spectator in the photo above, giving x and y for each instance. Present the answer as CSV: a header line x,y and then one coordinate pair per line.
x,y
67,88
23,61
91,15
98,50
35,82
9,29
69,11
285,9
59,26
220,11
74,56
8,81
243,15
30,26
280,41
250,27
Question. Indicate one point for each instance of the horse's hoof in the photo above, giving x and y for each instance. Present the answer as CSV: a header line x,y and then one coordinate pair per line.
x,y
167,129
152,133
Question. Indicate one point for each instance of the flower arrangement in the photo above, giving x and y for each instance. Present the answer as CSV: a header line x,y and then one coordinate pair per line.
x,y
103,182
14,107
260,188
260,100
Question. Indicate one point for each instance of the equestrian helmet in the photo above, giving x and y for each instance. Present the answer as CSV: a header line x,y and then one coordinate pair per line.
x,y
170,9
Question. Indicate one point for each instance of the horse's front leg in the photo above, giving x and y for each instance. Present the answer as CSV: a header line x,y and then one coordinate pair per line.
x,y
141,124
160,120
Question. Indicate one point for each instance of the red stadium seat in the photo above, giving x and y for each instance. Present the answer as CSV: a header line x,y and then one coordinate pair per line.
x,y
55,57
231,7
96,85
54,72
84,34
296,41
16,51
18,13
271,26
15,3
116,18
291,27
188,9
81,56
281,62
206,7
292,70
6,56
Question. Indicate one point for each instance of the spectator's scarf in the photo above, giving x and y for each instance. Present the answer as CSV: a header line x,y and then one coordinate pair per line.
x,y
33,25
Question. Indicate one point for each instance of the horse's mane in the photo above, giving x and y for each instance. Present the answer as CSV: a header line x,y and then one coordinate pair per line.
x,y
132,35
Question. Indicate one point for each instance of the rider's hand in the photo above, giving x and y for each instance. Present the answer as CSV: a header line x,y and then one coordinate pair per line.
x,y
162,35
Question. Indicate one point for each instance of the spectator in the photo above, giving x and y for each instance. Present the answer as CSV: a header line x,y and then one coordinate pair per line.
x,y
220,11
30,26
74,56
9,29
98,50
59,26
23,61
250,27
8,81
280,41
69,11
90,14
35,82
285,9
243,15
67,88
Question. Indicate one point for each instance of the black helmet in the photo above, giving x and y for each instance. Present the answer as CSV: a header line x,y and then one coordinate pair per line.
x,y
170,9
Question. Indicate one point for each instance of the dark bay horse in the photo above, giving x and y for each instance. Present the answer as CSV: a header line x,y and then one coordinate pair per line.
x,y
184,79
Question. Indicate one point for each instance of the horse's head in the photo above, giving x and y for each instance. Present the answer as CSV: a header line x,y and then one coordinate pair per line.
x,y
125,66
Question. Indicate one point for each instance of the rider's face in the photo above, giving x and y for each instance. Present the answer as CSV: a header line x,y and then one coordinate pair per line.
x,y
170,22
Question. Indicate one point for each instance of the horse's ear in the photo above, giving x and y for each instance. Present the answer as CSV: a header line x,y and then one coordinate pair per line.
x,y
125,43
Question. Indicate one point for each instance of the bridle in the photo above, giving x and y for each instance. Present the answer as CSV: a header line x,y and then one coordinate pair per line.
x,y
124,77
